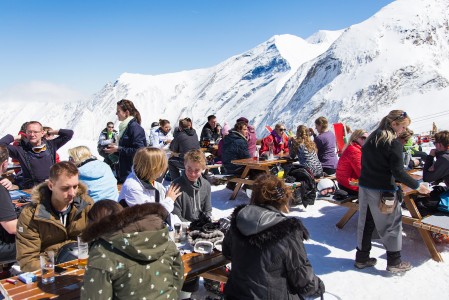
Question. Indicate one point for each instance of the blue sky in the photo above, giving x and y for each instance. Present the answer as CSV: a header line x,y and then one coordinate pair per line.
x,y
72,48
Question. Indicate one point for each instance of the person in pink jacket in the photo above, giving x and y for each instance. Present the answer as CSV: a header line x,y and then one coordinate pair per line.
x,y
350,163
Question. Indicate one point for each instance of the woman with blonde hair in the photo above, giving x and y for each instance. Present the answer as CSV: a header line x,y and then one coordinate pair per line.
x,y
266,248
141,186
302,147
97,175
382,165
350,163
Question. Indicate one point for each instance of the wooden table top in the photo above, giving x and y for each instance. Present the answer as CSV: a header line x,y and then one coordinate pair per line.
x,y
251,161
68,284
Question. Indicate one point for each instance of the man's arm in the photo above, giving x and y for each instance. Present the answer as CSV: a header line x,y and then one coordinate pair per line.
x,y
64,135
6,141
437,170
10,226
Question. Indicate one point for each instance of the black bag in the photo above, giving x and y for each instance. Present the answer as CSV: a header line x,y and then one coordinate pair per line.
x,y
306,193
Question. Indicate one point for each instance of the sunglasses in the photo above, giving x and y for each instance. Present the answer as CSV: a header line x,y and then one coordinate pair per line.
x,y
282,129
401,116
363,137
112,127
39,149
327,191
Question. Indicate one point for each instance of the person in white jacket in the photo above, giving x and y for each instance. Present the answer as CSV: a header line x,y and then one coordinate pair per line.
x,y
141,186
161,136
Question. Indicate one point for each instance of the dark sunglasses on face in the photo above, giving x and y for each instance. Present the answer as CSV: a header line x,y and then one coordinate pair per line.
x,y
363,137
111,127
281,129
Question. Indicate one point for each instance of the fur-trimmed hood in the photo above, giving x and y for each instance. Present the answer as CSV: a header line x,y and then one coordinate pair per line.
x,y
138,231
264,225
42,191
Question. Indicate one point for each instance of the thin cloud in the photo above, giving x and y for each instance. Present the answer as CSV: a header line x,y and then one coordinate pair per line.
x,y
39,91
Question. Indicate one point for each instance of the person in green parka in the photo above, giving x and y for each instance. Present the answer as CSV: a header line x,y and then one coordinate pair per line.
x,y
130,254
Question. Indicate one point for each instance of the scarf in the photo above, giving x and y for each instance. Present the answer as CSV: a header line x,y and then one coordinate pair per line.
x,y
122,126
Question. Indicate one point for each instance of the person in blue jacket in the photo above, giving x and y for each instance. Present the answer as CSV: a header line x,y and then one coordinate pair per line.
x,y
131,137
97,175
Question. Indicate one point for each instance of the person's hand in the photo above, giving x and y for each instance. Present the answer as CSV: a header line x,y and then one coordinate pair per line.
x,y
7,184
423,188
18,137
432,152
111,148
173,192
311,131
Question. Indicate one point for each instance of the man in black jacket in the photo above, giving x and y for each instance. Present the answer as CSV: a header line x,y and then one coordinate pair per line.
x,y
35,154
184,140
437,170
208,130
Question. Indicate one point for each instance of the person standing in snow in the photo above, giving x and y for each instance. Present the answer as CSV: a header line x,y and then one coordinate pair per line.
x,y
382,165
131,138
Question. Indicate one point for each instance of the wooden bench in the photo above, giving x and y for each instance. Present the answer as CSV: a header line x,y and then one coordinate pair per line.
x,y
351,204
438,223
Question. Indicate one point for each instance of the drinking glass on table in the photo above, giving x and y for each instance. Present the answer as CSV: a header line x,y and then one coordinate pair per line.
x,y
83,253
47,260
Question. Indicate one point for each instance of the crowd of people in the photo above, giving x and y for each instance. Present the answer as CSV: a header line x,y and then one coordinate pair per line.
x,y
80,197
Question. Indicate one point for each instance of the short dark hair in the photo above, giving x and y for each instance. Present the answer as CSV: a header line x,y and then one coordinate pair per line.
x,y
63,167
211,117
163,122
109,123
4,154
442,137
239,126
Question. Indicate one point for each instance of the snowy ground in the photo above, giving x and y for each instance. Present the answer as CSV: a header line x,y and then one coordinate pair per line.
x,y
332,251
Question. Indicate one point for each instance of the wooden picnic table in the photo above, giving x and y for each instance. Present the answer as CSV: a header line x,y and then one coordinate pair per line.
x,y
414,220
67,285
251,164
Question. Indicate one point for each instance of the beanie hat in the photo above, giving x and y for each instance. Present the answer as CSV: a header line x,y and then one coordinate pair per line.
x,y
325,183
243,119
154,124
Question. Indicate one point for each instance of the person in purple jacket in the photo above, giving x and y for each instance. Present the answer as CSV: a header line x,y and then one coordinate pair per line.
x,y
325,142
35,153
250,136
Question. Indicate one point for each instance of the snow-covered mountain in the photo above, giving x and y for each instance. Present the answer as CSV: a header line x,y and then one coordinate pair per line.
x,y
395,59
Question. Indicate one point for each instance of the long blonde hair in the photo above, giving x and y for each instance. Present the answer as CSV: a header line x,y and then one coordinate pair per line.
x,y
149,163
302,137
358,133
384,132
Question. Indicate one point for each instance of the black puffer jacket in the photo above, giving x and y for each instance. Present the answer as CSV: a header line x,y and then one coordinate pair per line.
x,y
268,257
132,140
184,141
235,146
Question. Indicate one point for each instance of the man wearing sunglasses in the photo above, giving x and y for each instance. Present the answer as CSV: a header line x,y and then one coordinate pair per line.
x,y
35,154
277,141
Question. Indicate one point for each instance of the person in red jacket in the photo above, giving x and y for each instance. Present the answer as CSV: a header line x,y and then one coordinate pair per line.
x,y
350,163
277,140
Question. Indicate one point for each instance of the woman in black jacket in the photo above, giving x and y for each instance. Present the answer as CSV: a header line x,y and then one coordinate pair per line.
x,y
382,164
266,248
131,138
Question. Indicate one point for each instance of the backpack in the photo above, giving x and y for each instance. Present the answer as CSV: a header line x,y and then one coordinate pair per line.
x,y
306,193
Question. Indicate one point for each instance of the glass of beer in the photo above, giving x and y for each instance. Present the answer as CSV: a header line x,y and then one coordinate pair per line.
x,y
83,253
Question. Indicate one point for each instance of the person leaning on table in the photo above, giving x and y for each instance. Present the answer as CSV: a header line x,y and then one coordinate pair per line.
x,y
56,216
382,163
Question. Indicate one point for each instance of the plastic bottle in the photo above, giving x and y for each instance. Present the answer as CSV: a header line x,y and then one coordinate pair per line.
x,y
280,171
